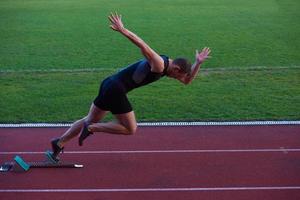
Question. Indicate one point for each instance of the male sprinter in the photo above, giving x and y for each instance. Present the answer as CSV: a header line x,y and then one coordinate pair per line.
x,y
112,93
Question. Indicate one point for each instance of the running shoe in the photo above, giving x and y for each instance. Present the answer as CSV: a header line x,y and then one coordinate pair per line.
x,y
56,149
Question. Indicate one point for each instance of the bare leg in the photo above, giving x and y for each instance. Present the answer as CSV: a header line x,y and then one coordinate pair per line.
x,y
95,114
125,124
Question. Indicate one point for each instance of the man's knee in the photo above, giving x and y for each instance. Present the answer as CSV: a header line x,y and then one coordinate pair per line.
x,y
90,119
132,129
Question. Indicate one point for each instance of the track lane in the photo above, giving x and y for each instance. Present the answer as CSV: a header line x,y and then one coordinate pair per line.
x,y
163,170
160,138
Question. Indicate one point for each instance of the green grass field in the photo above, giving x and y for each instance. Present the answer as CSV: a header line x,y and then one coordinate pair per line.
x,y
215,95
74,35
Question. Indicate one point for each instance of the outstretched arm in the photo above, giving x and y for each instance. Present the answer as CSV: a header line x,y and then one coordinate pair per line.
x,y
199,59
155,61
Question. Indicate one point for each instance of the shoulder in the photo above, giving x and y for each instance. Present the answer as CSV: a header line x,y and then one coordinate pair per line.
x,y
166,60
157,64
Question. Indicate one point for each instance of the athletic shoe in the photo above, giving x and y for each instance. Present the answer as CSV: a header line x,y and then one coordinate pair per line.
x,y
50,157
56,149
84,133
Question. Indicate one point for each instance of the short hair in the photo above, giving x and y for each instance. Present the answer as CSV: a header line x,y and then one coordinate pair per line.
x,y
184,64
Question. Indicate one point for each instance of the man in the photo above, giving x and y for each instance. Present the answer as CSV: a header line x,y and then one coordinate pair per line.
x,y
112,94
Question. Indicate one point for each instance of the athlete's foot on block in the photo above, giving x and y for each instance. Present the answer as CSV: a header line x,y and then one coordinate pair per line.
x,y
56,149
84,133
51,158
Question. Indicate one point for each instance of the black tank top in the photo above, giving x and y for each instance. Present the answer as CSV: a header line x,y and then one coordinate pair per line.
x,y
138,74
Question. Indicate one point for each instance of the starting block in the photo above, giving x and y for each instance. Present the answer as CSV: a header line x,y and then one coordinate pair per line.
x,y
21,165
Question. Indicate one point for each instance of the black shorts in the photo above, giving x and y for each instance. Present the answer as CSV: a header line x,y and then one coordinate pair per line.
x,y
112,97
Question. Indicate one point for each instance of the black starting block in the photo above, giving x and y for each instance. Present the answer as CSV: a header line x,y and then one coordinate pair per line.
x,y
21,165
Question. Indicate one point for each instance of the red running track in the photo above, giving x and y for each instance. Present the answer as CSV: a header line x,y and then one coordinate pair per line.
x,y
222,162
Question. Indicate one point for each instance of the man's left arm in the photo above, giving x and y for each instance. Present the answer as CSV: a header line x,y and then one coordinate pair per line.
x,y
200,58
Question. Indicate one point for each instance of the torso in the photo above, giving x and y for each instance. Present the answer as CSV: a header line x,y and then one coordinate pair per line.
x,y
137,75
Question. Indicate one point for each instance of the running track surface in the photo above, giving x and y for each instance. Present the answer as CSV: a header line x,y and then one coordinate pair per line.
x,y
158,163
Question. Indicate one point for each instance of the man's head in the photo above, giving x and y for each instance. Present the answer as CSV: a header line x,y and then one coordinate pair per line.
x,y
179,67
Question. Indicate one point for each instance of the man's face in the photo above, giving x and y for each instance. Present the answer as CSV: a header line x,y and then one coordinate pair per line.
x,y
177,73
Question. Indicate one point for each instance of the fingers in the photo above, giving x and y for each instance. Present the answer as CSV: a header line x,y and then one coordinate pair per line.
x,y
206,50
114,20
114,17
112,27
118,16
111,19
203,55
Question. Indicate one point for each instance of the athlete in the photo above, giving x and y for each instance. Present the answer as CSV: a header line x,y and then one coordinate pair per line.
x,y
112,93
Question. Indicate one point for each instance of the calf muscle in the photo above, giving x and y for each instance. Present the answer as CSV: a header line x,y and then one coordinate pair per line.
x,y
111,127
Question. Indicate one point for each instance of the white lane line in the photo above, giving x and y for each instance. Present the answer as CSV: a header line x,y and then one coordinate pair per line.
x,y
151,189
195,123
282,150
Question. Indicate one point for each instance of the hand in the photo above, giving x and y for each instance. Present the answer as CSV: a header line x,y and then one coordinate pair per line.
x,y
203,55
116,22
